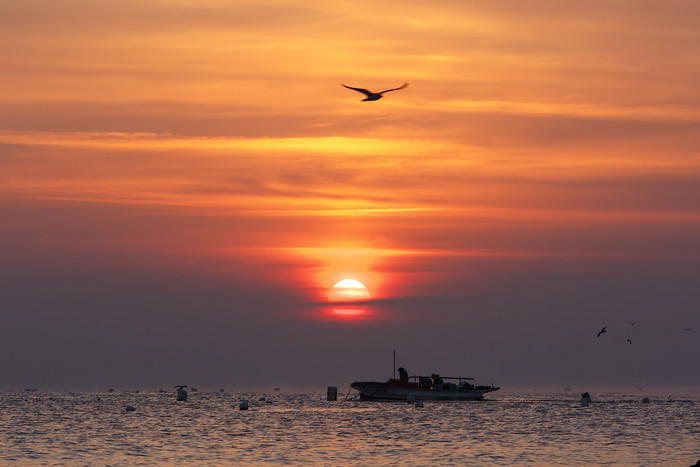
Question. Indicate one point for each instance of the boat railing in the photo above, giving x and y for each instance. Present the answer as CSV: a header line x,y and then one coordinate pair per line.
x,y
460,378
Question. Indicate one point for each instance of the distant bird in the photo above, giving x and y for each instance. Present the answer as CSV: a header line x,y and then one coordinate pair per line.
x,y
629,341
688,329
602,331
631,322
373,96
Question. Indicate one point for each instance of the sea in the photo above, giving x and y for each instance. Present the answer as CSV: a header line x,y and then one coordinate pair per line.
x,y
210,428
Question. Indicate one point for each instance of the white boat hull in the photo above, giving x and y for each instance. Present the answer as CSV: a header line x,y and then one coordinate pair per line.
x,y
373,390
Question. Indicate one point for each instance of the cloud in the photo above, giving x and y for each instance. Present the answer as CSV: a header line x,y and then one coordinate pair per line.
x,y
174,173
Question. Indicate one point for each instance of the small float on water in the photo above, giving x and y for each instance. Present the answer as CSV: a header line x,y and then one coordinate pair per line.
x,y
414,388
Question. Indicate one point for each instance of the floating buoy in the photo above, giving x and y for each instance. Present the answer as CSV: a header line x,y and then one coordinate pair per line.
x,y
585,397
244,405
645,400
181,394
419,404
262,398
130,408
332,393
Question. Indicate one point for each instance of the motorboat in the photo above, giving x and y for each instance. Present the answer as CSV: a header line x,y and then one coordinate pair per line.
x,y
413,388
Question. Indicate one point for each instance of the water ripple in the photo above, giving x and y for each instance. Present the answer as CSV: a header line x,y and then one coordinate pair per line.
x,y
209,429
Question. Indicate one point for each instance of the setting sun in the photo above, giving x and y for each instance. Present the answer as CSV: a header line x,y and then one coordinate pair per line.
x,y
349,290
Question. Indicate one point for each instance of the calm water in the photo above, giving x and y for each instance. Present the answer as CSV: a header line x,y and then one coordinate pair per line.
x,y
210,429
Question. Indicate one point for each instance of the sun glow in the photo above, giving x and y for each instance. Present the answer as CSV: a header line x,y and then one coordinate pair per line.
x,y
346,312
349,290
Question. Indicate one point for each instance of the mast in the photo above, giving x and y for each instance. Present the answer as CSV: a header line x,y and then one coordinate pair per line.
x,y
394,373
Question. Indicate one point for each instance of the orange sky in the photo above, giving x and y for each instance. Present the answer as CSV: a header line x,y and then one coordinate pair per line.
x,y
214,138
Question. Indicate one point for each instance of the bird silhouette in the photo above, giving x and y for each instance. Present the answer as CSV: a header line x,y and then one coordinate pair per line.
x,y
373,96
632,322
602,331
628,340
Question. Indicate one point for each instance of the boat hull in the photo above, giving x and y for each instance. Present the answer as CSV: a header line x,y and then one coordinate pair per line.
x,y
373,390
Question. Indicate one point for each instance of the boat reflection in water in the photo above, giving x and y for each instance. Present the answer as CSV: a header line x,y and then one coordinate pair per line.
x,y
432,387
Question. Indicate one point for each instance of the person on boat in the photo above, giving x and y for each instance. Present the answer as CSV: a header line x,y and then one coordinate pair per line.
x,y
403,375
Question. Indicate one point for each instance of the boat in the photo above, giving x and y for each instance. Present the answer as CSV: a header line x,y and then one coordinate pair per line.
x,y
414,388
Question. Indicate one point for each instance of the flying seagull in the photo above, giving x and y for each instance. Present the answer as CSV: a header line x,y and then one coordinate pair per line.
x,y
373,96
602,331
628,340
632,322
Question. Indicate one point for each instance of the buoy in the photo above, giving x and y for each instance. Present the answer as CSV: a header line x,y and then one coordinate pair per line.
x,y
419,403
645,400
244,405
332,393
585,397
262,398
130,408
181,393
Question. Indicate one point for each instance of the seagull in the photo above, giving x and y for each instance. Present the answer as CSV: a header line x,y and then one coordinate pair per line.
x,y
632,322
602,331
687,329
373,96
629,341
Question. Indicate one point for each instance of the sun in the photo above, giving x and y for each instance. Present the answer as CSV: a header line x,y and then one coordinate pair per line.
x,y
349,290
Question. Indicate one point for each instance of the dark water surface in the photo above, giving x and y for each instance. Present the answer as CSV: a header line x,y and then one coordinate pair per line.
x,y
304,429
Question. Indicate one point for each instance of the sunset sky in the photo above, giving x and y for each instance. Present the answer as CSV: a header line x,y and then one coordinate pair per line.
x,y
182,183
